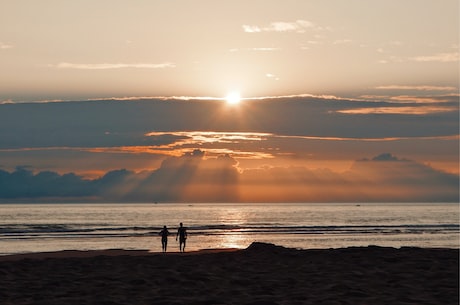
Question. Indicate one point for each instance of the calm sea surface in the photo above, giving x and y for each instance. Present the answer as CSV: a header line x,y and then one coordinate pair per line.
x,y
52,227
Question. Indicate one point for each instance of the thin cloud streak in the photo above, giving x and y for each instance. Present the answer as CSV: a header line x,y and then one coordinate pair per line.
x,y
202,137
298,26
411,99
122,98
176,152
434,58
107,66
260,49
173,150
453,137
452,98
419,88
5,46
440,57
408,110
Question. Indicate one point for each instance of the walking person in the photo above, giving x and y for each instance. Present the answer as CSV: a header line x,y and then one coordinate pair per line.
x,y
182,233
164,238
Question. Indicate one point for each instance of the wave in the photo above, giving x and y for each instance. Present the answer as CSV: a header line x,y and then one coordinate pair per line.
x,y
26,231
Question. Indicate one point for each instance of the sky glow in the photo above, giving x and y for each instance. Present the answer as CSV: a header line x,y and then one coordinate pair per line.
x,y
245,100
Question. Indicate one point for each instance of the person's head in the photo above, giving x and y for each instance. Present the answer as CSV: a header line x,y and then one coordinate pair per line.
x,y
180,224
164,227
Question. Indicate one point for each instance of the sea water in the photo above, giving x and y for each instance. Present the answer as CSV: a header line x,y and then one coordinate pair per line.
x,y
52,227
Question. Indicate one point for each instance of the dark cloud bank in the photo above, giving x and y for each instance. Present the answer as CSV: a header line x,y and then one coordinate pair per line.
x,y
125,123
193,178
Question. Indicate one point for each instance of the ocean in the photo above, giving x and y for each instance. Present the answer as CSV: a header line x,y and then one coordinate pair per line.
x,y
28,228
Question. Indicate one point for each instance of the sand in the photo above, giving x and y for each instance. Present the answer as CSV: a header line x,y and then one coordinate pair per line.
x,y
261,274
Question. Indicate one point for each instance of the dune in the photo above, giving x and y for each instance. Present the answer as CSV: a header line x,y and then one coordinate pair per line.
x,y
261,274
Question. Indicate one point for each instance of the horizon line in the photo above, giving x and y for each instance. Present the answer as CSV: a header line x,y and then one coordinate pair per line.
x,y
170,98
362,98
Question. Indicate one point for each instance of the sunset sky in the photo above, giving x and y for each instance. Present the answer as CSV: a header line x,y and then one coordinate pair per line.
x,y
341,101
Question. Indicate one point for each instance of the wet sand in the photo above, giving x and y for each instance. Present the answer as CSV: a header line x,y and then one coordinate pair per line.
x,y
261,274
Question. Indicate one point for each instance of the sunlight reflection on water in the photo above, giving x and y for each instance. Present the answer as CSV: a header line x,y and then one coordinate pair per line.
x,y
32,227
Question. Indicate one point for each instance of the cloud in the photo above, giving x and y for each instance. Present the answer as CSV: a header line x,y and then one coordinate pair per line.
x,y
385,157
272,76
266,49
251,29
299,26
23,183
193,178
342,41
433,99
336,139
440,57
5,46
157,97
211,123
203,137
407,110
105,66
410,105
189,178
185,178
416,99
401,177
92,137
419,88
382,178
232,141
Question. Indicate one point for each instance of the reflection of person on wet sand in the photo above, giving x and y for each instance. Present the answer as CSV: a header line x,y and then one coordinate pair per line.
x,y
164,238
182,233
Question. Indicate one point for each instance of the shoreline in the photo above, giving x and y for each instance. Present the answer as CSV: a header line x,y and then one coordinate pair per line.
x,y
260,274
105,252
147,252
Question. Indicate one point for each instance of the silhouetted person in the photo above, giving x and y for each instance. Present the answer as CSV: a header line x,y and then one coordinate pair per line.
x,y
182,233
164,238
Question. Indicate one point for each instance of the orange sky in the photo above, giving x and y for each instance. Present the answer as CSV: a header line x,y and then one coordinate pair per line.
x,y
330,100
54,50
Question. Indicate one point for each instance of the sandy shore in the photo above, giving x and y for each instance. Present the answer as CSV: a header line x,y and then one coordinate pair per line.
x,y
262,274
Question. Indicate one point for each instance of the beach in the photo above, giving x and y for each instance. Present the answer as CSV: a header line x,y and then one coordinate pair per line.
x,y
260,274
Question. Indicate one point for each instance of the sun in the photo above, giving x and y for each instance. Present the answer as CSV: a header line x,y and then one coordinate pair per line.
x,y
233,98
